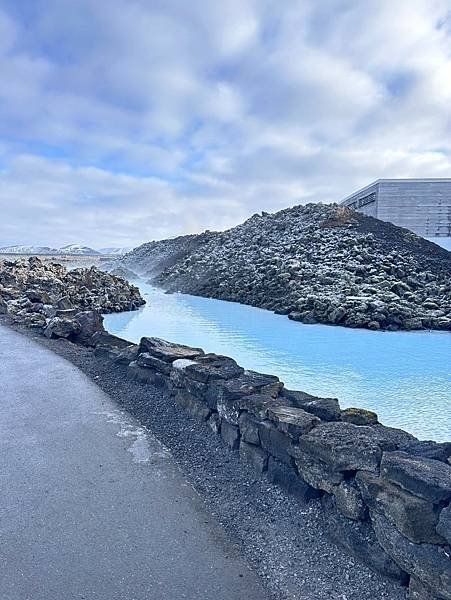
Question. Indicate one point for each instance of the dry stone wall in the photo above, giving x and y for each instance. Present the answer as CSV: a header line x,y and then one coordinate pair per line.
x,y
386,495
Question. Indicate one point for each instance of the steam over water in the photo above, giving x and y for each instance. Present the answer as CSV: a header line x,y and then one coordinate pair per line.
x,y
403,376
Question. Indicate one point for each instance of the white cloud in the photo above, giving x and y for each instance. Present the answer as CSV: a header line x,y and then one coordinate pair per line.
x,y
122,122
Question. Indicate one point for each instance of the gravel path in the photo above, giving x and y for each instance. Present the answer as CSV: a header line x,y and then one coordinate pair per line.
x,y
283,540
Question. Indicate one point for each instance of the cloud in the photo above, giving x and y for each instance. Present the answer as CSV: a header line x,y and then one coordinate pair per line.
x,y
127,121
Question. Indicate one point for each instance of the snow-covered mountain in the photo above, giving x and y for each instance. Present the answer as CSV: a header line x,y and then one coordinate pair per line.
x,y
78,250
70,249
28,250
118,251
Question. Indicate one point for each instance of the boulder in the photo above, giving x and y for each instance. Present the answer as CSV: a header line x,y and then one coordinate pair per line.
x,y
444,524
225,396
58,327
91,323
167,351
211,367
424,477
230,434
349,501
326,409
38,295
177,371
428,563
126,355
287,478
140,374
359,416
192,405
255,456
64,303
292,421
358,538
275,442
344,446
414,517
249,429
429,449
316,472
107,339
151,362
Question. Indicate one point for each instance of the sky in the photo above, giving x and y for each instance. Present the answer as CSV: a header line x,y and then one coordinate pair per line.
x,y
123,121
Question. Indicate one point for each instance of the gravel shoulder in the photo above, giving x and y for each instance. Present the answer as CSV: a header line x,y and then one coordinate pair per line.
x,y
284,541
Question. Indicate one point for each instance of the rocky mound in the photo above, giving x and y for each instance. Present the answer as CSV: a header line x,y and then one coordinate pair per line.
x,y
48,296
317,264
152,258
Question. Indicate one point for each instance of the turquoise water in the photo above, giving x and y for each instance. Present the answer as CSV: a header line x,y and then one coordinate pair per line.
x,y
403,376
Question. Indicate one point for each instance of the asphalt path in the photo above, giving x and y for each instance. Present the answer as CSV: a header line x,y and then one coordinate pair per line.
x,y
92,506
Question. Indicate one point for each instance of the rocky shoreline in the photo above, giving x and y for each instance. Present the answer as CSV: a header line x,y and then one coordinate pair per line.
x,y
61,302
315,263
380,493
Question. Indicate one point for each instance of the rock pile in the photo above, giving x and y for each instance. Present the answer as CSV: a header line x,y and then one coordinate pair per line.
x,y
152,258
63,303
386,496
317,264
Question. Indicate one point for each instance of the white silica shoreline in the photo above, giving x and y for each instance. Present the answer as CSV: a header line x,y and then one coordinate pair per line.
x,y
403,376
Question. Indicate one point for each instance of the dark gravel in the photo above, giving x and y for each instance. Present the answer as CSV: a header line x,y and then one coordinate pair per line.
x,y
283,540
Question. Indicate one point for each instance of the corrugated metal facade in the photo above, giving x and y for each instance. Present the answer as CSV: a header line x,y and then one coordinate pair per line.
x,y
421,205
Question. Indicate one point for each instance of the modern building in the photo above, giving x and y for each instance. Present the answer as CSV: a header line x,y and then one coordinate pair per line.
x,y
421,205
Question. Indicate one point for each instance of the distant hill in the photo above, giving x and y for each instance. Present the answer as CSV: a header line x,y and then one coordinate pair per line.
x,y
28,250
315,263
70,249
78,250
118,251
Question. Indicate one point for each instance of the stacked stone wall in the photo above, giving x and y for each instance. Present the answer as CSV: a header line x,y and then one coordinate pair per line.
x,y
385,495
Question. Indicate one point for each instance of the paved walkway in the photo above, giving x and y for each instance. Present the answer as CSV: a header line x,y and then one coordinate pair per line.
x,y
91,506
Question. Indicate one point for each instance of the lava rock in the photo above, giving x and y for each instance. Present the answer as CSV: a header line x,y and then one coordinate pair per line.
x,y
424,477
58,327
275,442
192,405
444,524
428,563
255,456
90,322
344,446
167,351
211,367
317,263
230,434
349,501
145,359
326,409
291,421
359,540
287,478
414,517
249,428
316,472
359,416
429,449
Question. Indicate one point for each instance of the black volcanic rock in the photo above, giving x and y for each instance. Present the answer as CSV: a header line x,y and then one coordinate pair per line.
x,y
47,296
316,264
